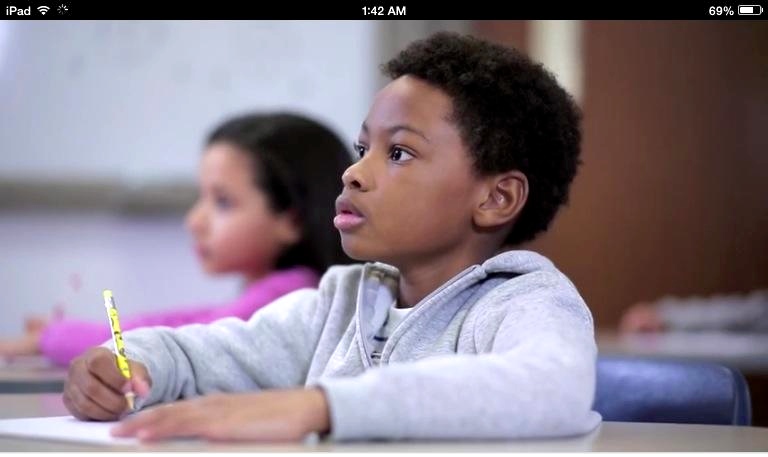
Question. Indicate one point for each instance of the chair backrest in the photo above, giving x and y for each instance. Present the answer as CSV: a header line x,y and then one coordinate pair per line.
x,y
644,389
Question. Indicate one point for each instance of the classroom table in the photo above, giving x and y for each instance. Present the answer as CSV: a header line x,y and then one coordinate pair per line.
x,y
609,436
747,352
30,374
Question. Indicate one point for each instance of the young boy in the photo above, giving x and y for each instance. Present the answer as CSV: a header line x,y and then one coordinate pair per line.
x,y
471,147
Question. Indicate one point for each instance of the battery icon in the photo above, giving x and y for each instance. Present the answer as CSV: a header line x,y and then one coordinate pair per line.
x,y
750,10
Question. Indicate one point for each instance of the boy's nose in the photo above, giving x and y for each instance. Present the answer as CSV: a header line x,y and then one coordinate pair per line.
x,y
353,178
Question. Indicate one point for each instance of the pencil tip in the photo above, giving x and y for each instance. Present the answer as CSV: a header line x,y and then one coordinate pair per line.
x,y
129,397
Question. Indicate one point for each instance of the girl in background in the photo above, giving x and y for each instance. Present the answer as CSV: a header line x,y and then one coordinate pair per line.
x,y
268,183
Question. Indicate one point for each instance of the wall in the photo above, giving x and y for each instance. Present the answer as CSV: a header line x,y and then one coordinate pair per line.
x,y
673,194
131,100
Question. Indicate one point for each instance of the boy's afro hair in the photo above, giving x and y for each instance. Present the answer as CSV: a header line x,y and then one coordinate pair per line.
x,y
511,113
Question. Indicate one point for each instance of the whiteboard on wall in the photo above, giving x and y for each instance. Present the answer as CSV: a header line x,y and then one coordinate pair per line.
x,y
133,100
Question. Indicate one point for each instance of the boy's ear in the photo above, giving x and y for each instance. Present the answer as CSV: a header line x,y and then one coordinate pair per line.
x,y
503,198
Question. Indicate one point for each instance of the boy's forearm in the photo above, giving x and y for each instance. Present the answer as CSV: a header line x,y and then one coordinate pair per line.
x,y
487,396
262,353
318,414
165,363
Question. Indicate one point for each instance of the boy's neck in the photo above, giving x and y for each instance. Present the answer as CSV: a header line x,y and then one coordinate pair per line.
x,y
417,280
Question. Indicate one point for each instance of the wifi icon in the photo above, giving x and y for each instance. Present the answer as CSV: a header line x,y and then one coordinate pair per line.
x,y
43,9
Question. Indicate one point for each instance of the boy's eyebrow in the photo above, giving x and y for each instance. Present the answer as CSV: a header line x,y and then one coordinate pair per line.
x,y
392,130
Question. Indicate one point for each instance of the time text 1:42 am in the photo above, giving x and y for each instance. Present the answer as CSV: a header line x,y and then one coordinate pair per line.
x,y
383,10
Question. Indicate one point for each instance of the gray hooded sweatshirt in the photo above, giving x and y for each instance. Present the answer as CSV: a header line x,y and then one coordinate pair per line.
x,y
503,350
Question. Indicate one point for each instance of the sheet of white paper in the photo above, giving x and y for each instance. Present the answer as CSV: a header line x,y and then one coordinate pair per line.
x,y
63,428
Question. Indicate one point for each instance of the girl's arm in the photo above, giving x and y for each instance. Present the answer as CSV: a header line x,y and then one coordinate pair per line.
x,y
64,340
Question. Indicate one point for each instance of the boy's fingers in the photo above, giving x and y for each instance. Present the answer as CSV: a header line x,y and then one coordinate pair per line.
x,y
131,425
73,408
102,395
101,363
181,420
87,408
166,426
139,386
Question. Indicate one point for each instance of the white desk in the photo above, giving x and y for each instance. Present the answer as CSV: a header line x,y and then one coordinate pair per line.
x,y
746,352
610,436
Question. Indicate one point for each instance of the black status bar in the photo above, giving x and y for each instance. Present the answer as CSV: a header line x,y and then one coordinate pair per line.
x,y
385,10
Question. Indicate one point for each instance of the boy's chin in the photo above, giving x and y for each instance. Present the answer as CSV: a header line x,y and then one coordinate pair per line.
x,y
357,252
366,254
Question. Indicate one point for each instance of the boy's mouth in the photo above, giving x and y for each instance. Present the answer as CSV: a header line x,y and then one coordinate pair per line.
x,y
348,216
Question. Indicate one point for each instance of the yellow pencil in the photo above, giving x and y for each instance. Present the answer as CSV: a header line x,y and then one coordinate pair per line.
x,y
117,339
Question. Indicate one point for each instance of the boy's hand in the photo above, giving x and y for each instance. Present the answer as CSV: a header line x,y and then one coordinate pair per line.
x,y
94,389
274,415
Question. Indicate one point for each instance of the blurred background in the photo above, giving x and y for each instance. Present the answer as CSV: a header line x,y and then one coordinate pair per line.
x,y
102,129
102,123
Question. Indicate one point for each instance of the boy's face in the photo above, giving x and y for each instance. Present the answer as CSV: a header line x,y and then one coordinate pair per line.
x,y
411,195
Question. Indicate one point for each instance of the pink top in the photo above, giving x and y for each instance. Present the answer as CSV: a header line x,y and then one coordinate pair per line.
x,y
63,340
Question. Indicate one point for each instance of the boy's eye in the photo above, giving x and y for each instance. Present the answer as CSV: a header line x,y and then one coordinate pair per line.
x,y
359,149
399,154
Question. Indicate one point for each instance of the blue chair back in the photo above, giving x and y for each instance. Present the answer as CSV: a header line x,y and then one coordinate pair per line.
x,y
644,389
